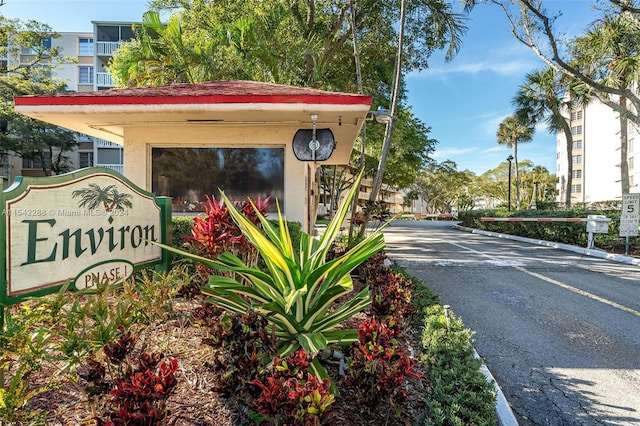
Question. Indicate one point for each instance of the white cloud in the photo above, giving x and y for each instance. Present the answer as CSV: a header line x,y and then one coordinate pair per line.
x,y
503,68
450,152
497,148
491,124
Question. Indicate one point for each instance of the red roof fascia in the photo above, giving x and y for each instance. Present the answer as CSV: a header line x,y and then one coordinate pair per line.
x,y
185,100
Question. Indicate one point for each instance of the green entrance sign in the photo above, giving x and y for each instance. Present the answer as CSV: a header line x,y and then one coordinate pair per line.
x,y
83,227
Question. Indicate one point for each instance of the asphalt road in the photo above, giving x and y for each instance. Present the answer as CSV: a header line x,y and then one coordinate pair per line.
x,y
559,331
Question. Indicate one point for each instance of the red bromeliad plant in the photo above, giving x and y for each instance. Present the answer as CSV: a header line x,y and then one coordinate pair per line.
x,y
379,367
216,232
291,395
212,232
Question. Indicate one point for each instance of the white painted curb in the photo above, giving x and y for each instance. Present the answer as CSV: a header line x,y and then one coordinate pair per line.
x,y
505,414
581,250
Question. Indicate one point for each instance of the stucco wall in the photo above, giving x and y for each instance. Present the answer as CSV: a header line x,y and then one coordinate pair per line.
x,y
140,141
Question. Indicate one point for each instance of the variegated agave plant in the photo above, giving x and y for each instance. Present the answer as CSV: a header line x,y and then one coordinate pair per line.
x,y
297,293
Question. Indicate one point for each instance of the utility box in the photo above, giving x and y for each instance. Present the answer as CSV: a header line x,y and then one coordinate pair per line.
x,y
598,223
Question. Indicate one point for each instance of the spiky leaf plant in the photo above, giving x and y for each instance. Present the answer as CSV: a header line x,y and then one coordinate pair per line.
x,y
298,291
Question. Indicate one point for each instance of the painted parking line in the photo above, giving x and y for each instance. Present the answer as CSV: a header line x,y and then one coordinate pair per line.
x,y
559,283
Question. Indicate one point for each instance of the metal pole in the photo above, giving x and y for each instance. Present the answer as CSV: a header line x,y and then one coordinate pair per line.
x,y
626,245
509,189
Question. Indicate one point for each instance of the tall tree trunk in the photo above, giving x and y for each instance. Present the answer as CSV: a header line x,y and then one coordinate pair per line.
x,y
624,142
515,161
377,183
363,131
335,198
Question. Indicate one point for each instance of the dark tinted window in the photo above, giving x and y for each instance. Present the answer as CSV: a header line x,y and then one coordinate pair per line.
x,y
188,174
108,33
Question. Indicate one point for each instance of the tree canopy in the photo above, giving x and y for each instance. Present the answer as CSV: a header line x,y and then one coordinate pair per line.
x,y
532,24
445,189
303,43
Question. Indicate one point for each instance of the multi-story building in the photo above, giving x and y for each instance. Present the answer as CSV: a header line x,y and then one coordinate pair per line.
x,y
596,156
388,195
92,52
108,37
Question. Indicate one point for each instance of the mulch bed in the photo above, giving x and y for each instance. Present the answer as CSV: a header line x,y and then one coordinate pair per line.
x,y
195,402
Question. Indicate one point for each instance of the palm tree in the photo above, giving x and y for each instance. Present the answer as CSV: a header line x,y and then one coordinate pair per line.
x,y
511,131
610,53
161,55
543,97
119,200
93,195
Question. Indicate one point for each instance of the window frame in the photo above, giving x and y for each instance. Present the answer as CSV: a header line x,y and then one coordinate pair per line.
x,y
90,74
90,159
86,48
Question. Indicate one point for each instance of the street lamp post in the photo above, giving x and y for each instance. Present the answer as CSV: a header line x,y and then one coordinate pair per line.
x,y
509,159
536,183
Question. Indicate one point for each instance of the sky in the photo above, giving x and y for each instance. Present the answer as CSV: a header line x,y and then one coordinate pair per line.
x,y
462,101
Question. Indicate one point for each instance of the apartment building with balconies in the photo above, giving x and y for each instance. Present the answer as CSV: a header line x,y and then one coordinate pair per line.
x,y
87,72
389,196
596,155
108,37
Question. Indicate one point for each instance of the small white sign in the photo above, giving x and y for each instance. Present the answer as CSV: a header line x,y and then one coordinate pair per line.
x,y
630,215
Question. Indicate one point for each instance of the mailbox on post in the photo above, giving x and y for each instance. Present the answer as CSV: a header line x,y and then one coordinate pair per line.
x,y
596,224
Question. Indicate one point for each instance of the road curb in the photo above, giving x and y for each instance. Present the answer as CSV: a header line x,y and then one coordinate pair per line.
x,y
567,247
503,409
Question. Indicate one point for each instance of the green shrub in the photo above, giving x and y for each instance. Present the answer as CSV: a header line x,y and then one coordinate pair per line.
x,y
574,233
181,226
460,393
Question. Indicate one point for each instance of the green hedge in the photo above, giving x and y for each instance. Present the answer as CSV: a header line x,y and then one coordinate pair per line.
x,y
574,233
181,227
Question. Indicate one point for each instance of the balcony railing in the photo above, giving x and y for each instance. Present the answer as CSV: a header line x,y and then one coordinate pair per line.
x,y
103,79
103,143
115,167
106,48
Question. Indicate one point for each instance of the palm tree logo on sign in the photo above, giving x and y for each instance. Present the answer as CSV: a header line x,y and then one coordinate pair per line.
x,y
93,196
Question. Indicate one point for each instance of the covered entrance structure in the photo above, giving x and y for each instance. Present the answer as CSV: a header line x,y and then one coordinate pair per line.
x,y
187,140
